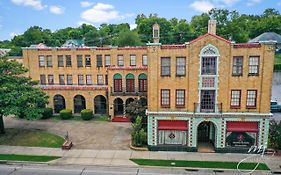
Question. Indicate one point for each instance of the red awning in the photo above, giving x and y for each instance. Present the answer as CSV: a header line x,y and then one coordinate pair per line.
x,y
242,126
173,124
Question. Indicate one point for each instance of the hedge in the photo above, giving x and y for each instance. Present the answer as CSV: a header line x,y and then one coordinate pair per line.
x,y
277,67
87,114
48,113
66,114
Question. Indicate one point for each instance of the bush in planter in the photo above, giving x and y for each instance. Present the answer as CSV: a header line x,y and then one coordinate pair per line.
x,y
66,114
87,114
48,113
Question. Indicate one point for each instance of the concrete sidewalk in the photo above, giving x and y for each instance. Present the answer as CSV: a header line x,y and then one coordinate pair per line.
x,y
121,157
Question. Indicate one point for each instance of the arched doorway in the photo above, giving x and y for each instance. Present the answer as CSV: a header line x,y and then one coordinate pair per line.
x,y
118,106
100,104
206,136
79,103
128,101
59,103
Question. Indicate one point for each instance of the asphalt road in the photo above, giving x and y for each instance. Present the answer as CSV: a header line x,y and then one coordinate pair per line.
x,y
72,170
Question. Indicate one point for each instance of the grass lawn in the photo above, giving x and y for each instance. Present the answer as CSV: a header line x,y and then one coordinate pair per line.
x,y
78,118
27,158
34,138
198,164
278,59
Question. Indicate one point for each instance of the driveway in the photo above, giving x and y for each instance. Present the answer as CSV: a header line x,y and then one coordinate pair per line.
x,y
84,134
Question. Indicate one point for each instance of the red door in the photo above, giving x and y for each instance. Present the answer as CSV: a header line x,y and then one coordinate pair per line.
x,y
130,85
142,85
118,85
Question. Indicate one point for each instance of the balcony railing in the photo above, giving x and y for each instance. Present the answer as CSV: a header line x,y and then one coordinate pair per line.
x,y
126,93
208,108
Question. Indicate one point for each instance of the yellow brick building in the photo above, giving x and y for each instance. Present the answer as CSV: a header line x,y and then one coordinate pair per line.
x,y
207,93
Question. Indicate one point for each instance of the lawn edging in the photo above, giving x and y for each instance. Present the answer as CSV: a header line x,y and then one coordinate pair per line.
x,y
198,164
137,148
21,158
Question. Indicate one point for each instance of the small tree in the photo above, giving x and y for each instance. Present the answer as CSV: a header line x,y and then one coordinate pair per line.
x,y
139,136
18,94
136,108
275,135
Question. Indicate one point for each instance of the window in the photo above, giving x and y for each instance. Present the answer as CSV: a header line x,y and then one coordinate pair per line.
x,y
107,60
41,60
50,79
42,79
235,98
106,79
237,69
142,83
130,83
165,66
88,60
99,79
132,60
89,80
251,99
117,83
61,79
254,65
208,101
180,98
79,61
49,61
68,60
165,97
144,60
209,65
80,79
155,33
69,80
99,60
120,60
180,66
60,61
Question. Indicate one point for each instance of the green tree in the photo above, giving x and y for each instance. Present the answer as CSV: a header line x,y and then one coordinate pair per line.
x,y
18,94
136,108
128,38
275,135
139,136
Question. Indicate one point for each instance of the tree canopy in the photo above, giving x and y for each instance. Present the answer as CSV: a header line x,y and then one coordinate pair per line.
x,y
230,24
18,94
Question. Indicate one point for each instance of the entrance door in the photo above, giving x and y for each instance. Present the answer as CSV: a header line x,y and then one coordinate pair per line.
x,y
206,135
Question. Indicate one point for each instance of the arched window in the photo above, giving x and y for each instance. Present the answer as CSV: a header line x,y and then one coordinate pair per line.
x,y
209,56
79,103
130,83
142,83
59,103
117,78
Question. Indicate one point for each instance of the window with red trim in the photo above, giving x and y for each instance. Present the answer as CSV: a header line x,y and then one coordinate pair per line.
x,y
235,100
251,99
142,85
130,85
180,98
165,97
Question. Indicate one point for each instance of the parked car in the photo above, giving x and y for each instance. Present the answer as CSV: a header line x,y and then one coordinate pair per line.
x,y
275,107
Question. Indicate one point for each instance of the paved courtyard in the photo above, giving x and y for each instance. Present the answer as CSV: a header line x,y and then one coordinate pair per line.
x,y
84,134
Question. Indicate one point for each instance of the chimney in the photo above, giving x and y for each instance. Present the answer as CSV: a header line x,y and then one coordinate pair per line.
x,y
156,33
212,25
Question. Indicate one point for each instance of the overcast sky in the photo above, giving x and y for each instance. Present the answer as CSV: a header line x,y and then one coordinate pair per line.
x,y
18,15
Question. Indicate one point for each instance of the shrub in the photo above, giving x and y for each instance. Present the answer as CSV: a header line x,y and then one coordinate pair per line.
x,y
277,67
87,114
274,138
139,136
65,114
48,113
